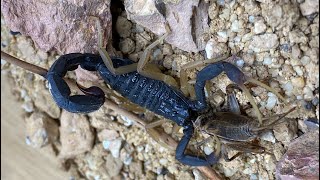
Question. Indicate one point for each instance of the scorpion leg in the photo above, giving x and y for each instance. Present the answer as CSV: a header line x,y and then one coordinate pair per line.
x,y
106,58
141,67
189,159
143,70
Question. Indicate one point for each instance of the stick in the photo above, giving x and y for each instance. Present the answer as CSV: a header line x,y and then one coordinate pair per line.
x,y
27,66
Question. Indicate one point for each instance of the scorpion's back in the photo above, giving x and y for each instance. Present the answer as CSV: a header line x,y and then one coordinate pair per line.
x,y
149,93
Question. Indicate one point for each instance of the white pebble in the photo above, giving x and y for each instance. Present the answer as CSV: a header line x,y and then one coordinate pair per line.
x,y
28,107
288,88
163,161
223,34
207,150
267,61
272,100
210,49
3,62
106,144
127,121
251,19
240,63
127,160
235,26
268,136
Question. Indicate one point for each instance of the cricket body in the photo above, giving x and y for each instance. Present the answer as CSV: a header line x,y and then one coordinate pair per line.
x,y
235,130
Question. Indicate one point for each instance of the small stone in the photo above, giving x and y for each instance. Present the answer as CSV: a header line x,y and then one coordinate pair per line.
x,y
236,26
259,27
272,100
298,82
222,36
268,136
41,130
288,87
127,121
267,61
207,150
285,132
123,27
76,136
309,7
107,134
214,49
28,106
240,63
113,146
264,42
127,46
113,165
251,19
197,175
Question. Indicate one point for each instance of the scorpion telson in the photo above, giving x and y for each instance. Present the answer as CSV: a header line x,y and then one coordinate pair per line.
x,y
155,93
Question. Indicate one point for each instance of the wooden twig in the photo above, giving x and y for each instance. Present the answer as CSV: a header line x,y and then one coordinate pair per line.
x,y
27,66
162,136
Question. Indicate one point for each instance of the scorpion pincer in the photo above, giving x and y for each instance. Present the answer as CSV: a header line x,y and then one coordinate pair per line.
x,y
152,94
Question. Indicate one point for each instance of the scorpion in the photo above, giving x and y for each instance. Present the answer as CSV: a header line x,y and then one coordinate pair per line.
x,y
152,90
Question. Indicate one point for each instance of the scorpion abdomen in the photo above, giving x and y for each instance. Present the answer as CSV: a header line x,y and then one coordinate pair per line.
x,y
151,94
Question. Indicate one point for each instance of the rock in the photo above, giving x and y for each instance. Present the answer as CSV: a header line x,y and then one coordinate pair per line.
x,y
107,134
43,100
41,130
113,165
114,146
268,136
127,45
286,131
75,134
123,27
62,25
272,100
265,42
214,49
197,175
308,7
259,27
280,15
301,161
184,19
298,82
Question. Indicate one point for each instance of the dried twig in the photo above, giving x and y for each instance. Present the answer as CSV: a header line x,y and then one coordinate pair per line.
x,y
161,137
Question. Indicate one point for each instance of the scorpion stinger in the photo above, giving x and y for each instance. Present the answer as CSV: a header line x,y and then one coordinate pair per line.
x,y
60,90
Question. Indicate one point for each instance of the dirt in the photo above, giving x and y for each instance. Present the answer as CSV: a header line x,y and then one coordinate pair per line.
x,y
275,45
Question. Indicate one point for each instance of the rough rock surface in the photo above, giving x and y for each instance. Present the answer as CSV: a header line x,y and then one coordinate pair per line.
x,y
188,21
301,161
65,26
41,130
76,135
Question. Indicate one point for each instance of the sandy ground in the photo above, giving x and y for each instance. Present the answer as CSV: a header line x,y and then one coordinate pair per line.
x,y
18,160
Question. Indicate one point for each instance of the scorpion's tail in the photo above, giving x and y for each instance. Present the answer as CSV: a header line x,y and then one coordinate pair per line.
x,y
94,96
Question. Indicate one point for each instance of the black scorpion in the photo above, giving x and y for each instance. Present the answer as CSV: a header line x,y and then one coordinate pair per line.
x,y
152,94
